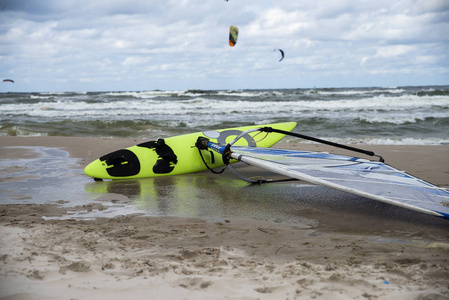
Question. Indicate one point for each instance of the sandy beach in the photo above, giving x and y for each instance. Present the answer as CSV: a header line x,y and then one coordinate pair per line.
x,y
377,252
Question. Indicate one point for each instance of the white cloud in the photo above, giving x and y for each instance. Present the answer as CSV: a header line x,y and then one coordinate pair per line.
x,y
393,51
131,61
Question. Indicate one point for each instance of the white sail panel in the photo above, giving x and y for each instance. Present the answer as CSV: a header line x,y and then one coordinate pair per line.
x,y
370,179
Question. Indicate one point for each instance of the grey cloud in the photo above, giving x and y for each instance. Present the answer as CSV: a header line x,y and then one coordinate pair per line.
x,y
100,45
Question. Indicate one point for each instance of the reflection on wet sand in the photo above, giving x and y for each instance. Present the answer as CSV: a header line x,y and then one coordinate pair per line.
x,y
221,196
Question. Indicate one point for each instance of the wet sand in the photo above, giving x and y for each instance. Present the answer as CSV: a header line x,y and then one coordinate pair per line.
x,y
340,254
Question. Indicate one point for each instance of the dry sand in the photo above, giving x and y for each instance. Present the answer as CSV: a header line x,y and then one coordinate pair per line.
x,y
139,257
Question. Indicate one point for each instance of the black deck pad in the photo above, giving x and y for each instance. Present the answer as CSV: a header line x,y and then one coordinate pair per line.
x,y
124,163
166,157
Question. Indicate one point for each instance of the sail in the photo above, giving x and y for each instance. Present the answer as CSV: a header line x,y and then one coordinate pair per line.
x,y
370,179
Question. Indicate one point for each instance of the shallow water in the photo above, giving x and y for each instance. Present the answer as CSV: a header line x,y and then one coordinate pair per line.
x,y
54,177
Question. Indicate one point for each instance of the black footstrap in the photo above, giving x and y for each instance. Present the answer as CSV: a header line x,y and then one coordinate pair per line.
x,y
207,166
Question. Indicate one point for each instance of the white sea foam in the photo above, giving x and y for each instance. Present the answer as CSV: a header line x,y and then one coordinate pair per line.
x,y
40,97
144,94
358,92
359,113
396,110
377,141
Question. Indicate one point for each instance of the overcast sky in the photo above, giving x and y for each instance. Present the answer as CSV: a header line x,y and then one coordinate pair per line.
x,y
133,45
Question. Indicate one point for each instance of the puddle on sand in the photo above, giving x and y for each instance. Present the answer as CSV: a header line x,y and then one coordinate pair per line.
x,y
51,176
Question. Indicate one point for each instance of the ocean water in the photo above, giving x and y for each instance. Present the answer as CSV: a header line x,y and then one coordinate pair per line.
x,y
395,115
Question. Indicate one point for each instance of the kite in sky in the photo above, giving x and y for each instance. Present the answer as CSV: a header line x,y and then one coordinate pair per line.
x,y
282,53
8,80
233,35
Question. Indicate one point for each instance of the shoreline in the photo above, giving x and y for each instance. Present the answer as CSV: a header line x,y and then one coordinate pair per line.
x,y
428,162
341,256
